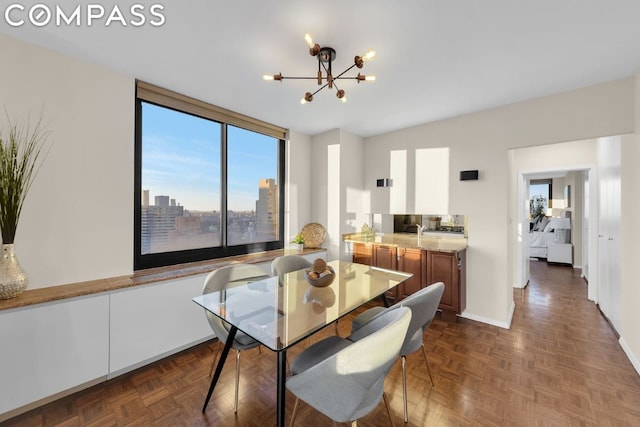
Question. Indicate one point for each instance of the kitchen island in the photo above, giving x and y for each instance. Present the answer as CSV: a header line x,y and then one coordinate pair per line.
x,y
430,260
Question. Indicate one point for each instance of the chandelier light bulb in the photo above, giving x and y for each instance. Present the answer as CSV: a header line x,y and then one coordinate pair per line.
x,y
309,40
267,77
370,78
369,55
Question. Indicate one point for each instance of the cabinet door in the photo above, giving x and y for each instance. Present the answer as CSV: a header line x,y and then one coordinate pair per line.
x,y
363,253
412,261
385,257
443,267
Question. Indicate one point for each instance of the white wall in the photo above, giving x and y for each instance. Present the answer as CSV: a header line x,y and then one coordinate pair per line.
x,y
298,181
336,187
77,220
481,141
630,236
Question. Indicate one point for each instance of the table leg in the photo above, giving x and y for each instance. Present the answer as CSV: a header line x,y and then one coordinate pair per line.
x,y
385,300
223,357
282,374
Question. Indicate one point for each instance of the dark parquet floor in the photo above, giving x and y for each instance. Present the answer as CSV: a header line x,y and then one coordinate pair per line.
x,y
559,365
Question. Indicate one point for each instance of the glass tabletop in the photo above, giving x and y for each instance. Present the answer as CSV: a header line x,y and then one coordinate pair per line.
x,y
281,311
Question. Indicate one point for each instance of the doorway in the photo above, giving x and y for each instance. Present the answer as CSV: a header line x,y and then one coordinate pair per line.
x,y
572,166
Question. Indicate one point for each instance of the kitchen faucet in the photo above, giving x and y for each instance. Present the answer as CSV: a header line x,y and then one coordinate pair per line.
x,y
421,228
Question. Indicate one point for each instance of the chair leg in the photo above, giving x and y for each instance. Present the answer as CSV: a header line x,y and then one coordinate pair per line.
x,y
404,388
215,357
386,404
235,405
295,412
424,353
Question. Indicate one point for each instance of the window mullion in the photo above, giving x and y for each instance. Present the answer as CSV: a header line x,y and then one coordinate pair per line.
x,y
223,186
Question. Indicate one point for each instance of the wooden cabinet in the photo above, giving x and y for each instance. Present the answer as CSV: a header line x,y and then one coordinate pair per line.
x,y
427,267
412,261
385,257
363,253
449,268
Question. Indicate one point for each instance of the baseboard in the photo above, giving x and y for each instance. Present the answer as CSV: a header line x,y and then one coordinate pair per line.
x,y
632,357
488,321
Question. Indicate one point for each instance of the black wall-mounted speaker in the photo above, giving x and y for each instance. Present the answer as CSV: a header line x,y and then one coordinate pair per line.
x,y
383,182
468,175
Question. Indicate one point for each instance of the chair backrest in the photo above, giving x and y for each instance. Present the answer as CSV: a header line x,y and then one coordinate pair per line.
x,y
423,305
349,384
225,278
288,263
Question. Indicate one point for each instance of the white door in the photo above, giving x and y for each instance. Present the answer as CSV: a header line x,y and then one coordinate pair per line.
x,y
585,225
609,229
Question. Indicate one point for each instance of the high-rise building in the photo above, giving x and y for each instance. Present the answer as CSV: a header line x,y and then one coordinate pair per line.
x,y
145,197
157,222
162,201
267,208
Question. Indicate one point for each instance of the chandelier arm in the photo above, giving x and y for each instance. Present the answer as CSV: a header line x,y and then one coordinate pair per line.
x,y
345,71
299,78
329,75
323,86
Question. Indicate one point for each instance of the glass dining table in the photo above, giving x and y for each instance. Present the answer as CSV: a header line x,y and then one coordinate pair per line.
x,y
281,311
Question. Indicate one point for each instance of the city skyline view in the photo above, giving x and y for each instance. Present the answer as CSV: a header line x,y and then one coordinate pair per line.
x,y
181,159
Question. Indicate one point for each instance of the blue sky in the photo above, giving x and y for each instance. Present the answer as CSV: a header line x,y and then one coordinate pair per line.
x,y
180,159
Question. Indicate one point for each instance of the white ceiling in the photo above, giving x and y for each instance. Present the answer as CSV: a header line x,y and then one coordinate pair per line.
x,y
435,58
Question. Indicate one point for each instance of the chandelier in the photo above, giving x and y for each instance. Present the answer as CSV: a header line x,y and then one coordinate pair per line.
x,y
325,56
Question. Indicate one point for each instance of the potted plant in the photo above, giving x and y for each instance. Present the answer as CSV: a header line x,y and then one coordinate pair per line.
x,y
298,240
20,158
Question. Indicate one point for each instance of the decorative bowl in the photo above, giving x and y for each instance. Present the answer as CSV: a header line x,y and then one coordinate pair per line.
x,y
324,280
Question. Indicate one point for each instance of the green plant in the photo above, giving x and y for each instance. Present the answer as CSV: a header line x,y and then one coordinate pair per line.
x,y
299,239
20,158
537,206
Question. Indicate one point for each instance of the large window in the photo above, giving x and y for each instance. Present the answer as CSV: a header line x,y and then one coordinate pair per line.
x,y
207,185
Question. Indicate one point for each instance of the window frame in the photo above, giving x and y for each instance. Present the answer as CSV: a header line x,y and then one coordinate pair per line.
x,y
164,98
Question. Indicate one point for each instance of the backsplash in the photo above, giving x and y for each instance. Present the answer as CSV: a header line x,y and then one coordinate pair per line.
x,y
431,223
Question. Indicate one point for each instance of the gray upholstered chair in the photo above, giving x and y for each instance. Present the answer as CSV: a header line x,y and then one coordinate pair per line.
x,y
288,263
423,305
344,379
225,278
